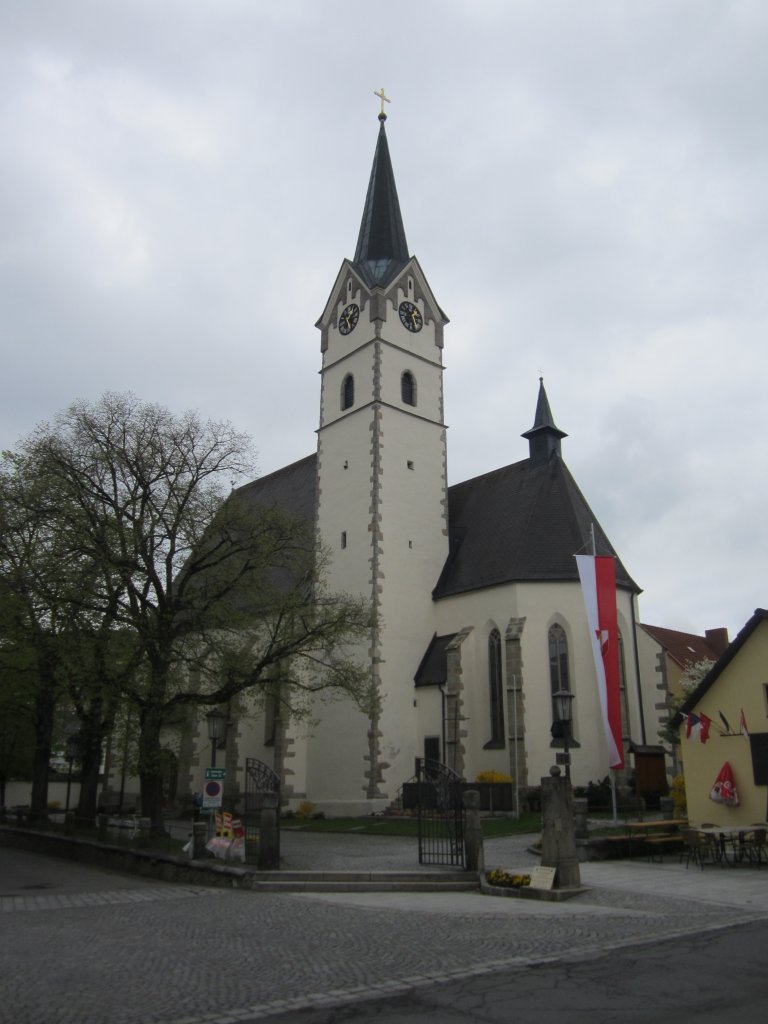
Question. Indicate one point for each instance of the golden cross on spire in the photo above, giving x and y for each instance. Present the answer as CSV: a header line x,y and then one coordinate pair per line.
x,y
384,99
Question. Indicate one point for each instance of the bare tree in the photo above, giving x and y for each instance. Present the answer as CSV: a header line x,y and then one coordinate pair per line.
x,y
186,567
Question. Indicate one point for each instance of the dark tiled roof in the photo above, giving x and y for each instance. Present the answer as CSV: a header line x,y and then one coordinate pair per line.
x,y
433,669
520,523
291,488
684,648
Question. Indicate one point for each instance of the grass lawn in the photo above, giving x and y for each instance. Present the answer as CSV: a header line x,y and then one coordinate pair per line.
x,y
396,826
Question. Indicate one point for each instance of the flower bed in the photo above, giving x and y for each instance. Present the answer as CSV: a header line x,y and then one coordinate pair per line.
x,y
505,880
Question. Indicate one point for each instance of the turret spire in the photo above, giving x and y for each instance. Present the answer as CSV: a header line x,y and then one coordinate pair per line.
x,y
381,246
543,437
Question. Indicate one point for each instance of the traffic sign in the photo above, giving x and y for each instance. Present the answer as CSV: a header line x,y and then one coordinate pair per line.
x,y
216,773
213,793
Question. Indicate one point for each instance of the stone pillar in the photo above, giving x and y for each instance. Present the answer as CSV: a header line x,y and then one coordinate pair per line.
x,y
269,836
558,842
473,833
580,812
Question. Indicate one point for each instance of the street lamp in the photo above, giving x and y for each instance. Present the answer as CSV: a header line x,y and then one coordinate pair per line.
x,y
217,724
563,702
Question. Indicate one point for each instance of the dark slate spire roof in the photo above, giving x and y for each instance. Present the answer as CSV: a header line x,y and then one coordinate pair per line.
x,y
543,437
382,250
522,523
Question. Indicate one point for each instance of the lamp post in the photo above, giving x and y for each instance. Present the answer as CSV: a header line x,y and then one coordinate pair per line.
x,y
558,838
216,726
563,700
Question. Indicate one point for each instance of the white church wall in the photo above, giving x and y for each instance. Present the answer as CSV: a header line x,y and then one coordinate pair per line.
x,y
360,364
541,604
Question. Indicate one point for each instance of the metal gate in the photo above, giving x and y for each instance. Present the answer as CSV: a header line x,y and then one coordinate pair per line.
x,y
259,779
440,808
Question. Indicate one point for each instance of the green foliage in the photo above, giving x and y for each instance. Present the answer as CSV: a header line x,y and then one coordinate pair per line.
x,y
386,825
597,794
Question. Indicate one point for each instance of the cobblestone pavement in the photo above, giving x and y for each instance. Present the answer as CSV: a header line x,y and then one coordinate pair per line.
x,y
87,947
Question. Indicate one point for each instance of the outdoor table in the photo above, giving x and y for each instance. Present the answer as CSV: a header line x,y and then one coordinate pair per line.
x,y
729,835
645,828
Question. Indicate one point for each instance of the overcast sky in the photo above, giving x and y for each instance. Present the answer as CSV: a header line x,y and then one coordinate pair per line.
x,y
584,184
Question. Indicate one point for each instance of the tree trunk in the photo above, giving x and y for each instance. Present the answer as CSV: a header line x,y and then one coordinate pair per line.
x,y
91,739
45,708
150,773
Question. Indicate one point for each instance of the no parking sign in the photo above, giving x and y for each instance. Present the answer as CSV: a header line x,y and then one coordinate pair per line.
x,y
213,790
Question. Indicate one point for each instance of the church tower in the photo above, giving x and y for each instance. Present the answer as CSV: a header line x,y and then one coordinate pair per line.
x,y
381,492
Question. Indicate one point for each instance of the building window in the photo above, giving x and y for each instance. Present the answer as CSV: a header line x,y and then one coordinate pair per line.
x,y
559,677
343,538
348,392
408,388
495,688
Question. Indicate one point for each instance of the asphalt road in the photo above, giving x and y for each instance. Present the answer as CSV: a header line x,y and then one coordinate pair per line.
x,y
84,946
717,978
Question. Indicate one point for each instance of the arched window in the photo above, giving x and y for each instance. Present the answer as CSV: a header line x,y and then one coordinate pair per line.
x,y
559,678
348,392
408,388
496,692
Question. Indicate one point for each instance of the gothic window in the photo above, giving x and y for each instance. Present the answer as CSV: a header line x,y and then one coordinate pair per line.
x,y
348,392
495,687
408,388
559,678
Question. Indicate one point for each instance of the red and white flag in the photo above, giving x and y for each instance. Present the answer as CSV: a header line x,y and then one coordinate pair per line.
x,y
697,727
598,584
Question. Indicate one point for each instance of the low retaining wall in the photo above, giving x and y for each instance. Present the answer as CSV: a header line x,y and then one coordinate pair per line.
x,y
160,866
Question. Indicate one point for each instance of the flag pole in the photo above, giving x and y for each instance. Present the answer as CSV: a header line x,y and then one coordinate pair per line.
x,y
611,773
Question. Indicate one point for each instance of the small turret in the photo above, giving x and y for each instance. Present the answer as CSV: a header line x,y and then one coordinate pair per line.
x,y
544,437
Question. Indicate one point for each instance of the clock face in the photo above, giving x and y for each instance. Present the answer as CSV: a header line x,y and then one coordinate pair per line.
x,y
410,317
348,319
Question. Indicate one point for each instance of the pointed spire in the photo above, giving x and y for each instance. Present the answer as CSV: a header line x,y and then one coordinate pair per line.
x,y
381,246
543,437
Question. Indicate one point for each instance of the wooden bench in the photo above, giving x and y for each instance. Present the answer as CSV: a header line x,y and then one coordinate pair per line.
x,y
656,845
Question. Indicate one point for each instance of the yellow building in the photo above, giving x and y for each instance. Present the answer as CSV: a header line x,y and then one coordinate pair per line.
x,y
725,720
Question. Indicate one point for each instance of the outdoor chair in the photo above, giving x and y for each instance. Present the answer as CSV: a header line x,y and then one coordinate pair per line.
x,y
756,847
697,848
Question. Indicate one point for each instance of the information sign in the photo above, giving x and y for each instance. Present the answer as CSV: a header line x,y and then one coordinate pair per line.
x,y
542,878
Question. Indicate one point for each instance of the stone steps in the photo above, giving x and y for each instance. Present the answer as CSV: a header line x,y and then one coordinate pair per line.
x,y
362,881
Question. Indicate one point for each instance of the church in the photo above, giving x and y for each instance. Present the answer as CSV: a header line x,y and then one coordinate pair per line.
x,y
479,610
